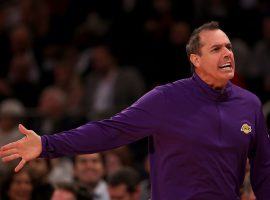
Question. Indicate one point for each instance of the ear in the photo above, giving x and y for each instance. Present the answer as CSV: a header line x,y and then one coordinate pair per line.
x,y
195,60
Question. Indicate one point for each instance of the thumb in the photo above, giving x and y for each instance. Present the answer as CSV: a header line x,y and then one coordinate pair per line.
x,y
24,130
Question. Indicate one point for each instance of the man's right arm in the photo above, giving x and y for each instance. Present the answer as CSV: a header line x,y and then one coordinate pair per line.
x,y
141,119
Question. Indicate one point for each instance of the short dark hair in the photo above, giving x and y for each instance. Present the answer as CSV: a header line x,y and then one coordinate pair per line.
x,y
77,191
74,159
67,187
127,176
194,44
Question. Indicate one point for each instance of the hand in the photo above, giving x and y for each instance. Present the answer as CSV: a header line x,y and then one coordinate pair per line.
x,y
27,148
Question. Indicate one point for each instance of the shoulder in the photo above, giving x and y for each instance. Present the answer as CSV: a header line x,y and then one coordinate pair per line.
x,y
176,86
246,95
164,92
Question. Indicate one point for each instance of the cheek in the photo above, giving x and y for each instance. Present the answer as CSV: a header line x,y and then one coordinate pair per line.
x,y
209,65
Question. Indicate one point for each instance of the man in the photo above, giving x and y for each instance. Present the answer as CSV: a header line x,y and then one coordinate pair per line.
x,y
124,185
88,173
203,129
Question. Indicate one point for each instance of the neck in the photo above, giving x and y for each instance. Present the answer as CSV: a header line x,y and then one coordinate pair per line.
x,y
212,82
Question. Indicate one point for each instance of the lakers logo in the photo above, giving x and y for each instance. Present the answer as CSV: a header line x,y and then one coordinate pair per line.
x,y
246,129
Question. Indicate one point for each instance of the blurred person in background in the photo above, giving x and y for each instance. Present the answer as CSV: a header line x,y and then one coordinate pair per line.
x,y
66,79
40,169
51,115
21,80
65,191
51,111
109,88
21,44
124,184
261,60
116,159
88,175
18,186
11,113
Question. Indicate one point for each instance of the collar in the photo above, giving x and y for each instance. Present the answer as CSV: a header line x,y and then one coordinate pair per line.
x,y
216,95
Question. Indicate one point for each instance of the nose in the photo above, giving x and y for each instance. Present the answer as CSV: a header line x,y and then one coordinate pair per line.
x,y
227,52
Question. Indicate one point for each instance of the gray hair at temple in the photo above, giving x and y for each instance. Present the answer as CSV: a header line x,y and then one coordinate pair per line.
x,y
194,44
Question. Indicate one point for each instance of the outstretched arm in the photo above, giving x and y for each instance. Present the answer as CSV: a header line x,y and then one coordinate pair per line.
x,y
27,148
141,119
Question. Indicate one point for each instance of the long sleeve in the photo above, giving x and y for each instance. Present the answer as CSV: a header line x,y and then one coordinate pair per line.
x,y
260,160
141,119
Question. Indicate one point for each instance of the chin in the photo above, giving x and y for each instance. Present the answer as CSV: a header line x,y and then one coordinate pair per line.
x,y
231,76
228,76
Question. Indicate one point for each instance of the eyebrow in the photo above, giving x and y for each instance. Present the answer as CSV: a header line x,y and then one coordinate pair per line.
x,y
220,45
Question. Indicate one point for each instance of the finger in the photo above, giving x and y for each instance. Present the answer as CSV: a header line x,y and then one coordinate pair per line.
x,y
20,165
24,130
11,157
9,146
8,152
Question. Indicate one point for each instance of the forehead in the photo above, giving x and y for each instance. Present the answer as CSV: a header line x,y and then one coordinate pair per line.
x,y
213,37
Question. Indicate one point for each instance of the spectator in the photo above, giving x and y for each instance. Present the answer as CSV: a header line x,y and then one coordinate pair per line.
x,y
11,113
18,186
109,88
116,159
40,169
64,191
88,174
124,184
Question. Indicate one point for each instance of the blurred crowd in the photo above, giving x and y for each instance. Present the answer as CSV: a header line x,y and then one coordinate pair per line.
x,y
67,62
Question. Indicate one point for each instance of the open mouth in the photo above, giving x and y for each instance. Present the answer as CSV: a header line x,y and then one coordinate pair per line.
x,y
226,66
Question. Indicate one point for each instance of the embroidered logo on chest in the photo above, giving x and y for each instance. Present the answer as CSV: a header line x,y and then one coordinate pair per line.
x,y
246,129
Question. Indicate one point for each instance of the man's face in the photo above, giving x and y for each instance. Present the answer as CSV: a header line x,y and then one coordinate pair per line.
x,y
216,64
119,192
88,168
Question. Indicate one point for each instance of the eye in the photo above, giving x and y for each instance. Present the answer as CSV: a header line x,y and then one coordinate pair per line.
x,y
229,47
215,49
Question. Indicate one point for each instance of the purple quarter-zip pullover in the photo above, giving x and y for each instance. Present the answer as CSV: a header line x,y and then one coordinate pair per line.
x,y
200,140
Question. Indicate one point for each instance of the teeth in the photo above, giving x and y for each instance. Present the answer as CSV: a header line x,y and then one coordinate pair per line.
x,y
226,65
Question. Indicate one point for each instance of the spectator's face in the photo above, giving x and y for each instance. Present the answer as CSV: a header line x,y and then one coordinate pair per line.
x,y
215,64
102,60
179,33
88,168
7,122
60,194
112,163
21,187
52,103
62,75
120,192
20,39
39,168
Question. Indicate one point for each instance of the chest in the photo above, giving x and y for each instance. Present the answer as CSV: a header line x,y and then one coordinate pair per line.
x,y
211,125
